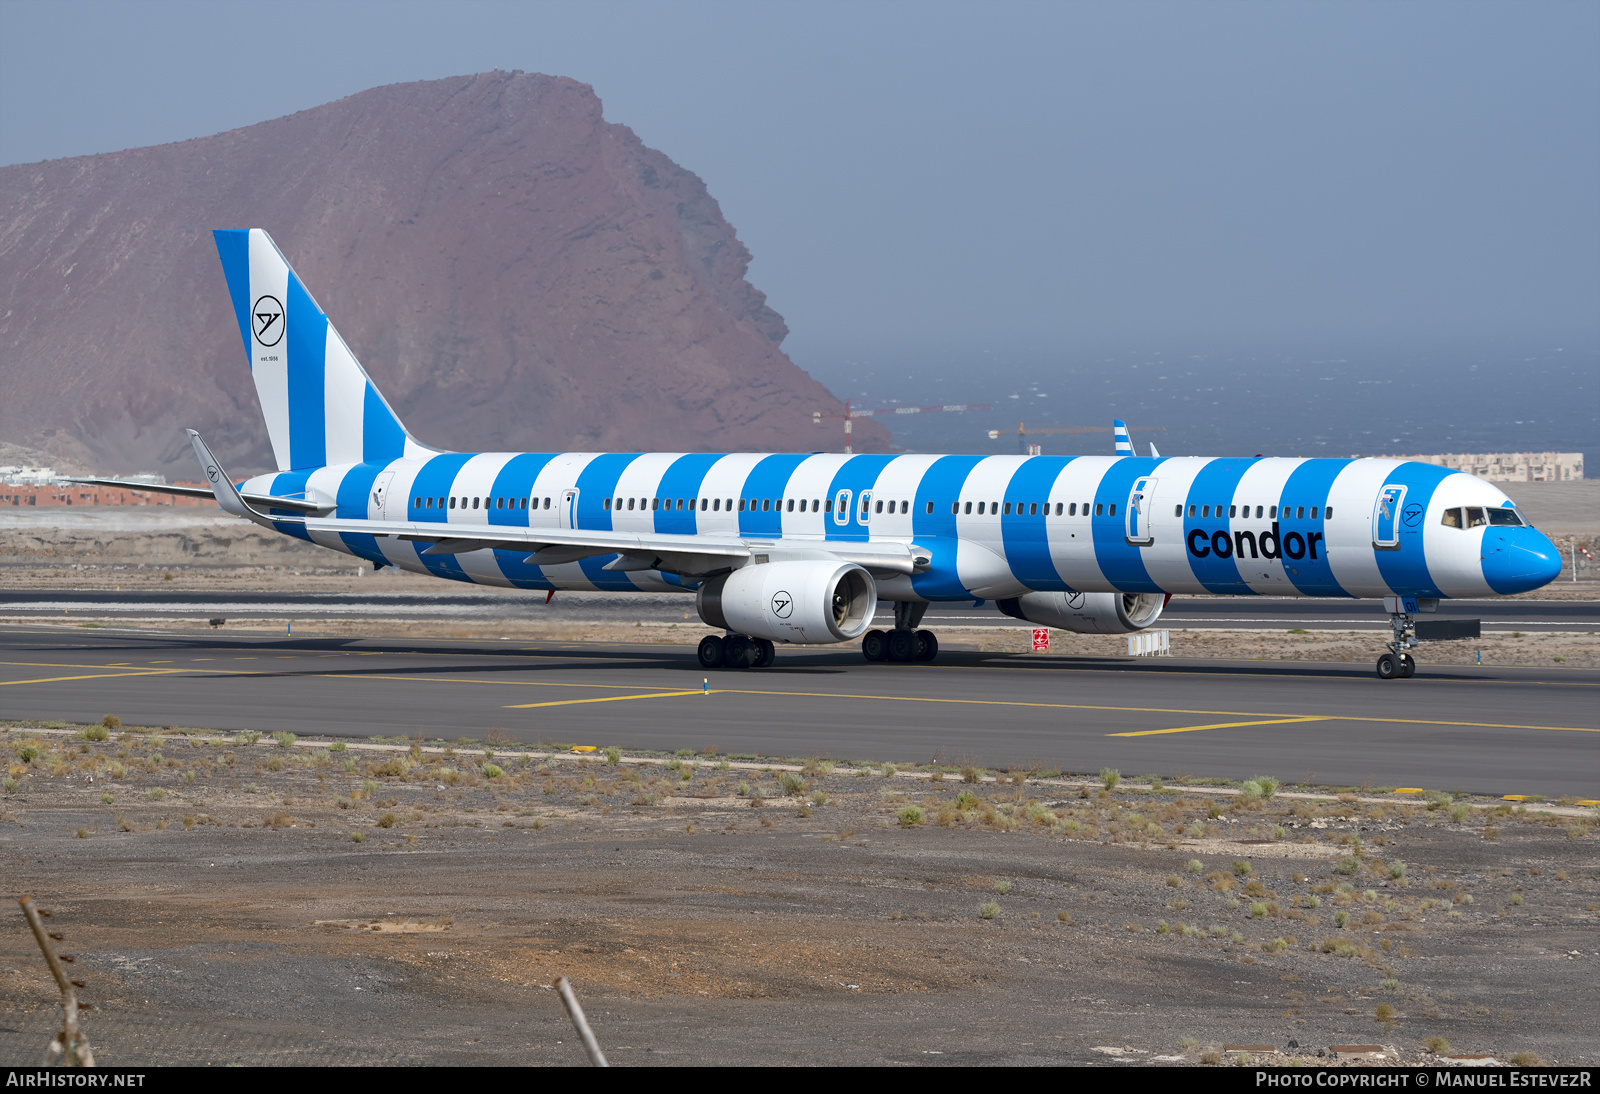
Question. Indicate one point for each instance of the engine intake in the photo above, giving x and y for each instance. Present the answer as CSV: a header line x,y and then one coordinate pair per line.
x,y
801,601
1087,613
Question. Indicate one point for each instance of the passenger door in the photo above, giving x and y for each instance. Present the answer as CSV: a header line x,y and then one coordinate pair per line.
x,y
1386,518
1141,506
380,495
568,517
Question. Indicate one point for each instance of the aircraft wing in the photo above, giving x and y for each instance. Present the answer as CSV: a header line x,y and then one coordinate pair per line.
x,y
685,554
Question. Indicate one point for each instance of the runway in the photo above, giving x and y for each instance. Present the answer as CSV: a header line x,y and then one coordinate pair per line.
x,y
1563,616
1486,730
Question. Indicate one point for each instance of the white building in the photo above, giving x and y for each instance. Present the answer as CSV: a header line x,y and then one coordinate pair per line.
x,y
1513,466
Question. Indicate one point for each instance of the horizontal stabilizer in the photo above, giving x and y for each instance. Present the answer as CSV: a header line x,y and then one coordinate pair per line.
x,y
299,505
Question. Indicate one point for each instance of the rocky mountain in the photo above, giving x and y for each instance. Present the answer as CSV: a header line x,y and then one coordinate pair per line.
x,y
514,271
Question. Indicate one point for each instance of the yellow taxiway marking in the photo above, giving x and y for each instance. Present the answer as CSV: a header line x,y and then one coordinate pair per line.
x,y
92,676
1217,725
603,699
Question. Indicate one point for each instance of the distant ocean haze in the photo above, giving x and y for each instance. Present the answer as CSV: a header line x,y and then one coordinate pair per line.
x,y
1371,402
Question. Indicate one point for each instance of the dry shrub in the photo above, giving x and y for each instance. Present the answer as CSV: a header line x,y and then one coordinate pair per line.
x,y
279,820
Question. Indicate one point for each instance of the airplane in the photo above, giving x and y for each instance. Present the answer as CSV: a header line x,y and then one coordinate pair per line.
x,y
799,548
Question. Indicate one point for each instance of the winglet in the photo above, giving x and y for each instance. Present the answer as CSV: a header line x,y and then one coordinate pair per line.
x,y
1154,455
222,487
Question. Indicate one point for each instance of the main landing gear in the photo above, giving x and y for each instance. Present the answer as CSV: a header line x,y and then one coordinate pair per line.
x,y
1397,662
904,643
736,651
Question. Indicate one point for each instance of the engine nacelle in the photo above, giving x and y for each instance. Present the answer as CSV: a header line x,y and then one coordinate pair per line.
x,y
1087,613
812,601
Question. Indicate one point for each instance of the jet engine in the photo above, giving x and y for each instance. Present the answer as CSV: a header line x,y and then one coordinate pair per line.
x,y
811,601
1087,613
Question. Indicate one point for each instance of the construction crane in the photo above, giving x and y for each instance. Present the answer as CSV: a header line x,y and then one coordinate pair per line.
x,y
817,415
1023,432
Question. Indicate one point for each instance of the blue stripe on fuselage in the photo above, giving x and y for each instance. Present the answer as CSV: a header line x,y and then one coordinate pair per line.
x,y
855,475
1406,570
1120,561
767,481
941,484
681,482
1213,487
437,479
597,482
1308,488
290,484
1027,544
515,482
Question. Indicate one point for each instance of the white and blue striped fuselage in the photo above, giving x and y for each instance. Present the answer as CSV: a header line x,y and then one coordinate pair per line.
x,y
991,527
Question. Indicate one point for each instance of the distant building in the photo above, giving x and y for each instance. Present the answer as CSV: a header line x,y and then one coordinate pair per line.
x,y
13,474
1513,466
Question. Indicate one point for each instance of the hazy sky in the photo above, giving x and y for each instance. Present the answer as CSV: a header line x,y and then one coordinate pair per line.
x,y
946,175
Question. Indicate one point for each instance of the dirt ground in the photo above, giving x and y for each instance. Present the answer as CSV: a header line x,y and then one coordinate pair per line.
x,y
258,901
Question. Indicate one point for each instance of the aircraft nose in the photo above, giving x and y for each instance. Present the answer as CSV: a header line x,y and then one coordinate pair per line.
x,y
1518,560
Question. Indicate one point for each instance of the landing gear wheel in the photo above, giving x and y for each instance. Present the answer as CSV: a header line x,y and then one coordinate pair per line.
x,y
927,646
766,653
903,645
1408,665
875,646
738,651
1388,667
711,651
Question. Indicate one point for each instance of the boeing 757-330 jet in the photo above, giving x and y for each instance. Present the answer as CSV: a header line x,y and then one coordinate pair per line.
x,y
800,548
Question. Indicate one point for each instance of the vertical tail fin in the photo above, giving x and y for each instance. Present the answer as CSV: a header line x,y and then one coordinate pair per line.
x,y
1120,428
320,406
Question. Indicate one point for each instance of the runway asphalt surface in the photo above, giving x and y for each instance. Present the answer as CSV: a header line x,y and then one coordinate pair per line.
x,y
1564,616
1485,730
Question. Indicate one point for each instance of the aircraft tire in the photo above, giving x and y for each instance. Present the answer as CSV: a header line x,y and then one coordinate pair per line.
x,y
1408,666
875,646
738,651
711,651
903,645
766,653
927,646
1388,667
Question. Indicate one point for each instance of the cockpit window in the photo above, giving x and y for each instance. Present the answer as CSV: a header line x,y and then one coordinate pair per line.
x,y
1475,517
1451,518
1507,518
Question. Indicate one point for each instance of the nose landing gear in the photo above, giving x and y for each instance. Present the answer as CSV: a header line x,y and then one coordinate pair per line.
x,y
1397,663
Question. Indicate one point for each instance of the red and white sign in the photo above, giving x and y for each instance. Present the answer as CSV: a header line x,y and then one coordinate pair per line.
x,y
1041,638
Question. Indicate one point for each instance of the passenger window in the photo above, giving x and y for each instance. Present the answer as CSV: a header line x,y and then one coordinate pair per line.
x,y
1113,508
980,508
1273,512
994,507
1300,513
930,509
630,503
741,505
1475,517
500,503
1313,512
655,505
729,505
474,503
680,505
1033,509
791,504
1507,518
1008,509
880,506
716,505
606,504
827,505
1058,508
1072,510
452,501
1192,510
1451,518
905,507
955,508
1233,511
1205,510
1327,514
766,505
969,509
547,503
418,503
1099,510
